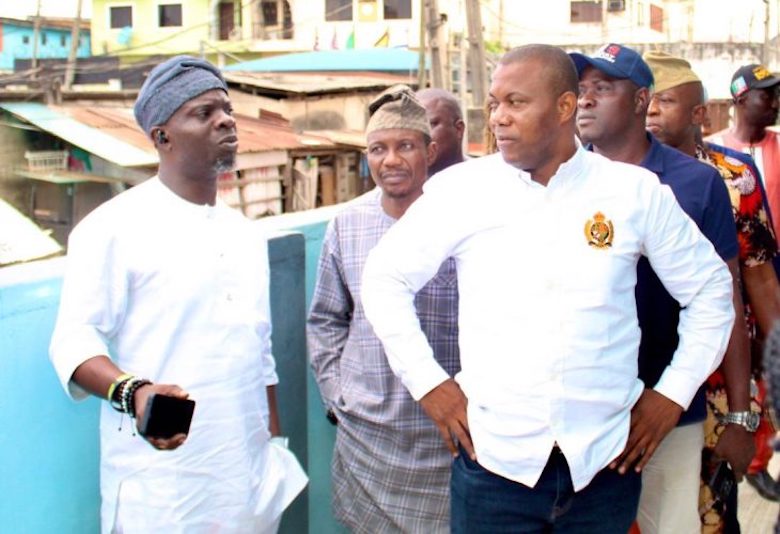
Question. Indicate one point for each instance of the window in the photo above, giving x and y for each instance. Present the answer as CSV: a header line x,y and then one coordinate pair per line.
x,y
586,12
656,18
270,10
338,10
25,39
62,40
44,38
616,5
398,9
120,16
169,15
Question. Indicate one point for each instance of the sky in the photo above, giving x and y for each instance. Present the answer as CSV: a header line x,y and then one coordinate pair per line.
x,y
20,9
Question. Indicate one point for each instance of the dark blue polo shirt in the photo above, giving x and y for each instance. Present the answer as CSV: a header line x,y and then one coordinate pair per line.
x,y
701,193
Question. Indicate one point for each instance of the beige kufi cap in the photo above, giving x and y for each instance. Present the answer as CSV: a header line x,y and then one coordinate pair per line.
x,y
669,71
397,107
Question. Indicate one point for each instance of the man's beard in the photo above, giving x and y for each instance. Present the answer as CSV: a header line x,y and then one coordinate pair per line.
x,y
225,164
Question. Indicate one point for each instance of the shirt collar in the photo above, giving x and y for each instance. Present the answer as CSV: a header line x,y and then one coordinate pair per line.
x,y
566,174
182,206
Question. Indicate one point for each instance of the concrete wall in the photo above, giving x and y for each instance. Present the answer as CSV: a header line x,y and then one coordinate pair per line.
x,y
49,445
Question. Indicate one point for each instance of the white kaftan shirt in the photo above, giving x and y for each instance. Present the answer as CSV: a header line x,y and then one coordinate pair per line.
x,y
548,321
390,468
177,293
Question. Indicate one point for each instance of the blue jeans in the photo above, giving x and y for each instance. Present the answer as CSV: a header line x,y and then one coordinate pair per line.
x,y
485,502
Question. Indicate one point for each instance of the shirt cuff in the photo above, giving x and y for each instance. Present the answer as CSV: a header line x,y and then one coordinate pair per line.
x,y
424,379
678,387
71,350
271,379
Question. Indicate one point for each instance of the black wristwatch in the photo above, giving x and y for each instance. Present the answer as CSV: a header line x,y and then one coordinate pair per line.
x,y
331,416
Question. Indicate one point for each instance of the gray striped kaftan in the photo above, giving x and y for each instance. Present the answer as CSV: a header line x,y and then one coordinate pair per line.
x,y
391,468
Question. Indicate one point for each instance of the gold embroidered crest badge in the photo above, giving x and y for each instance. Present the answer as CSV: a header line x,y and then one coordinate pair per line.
x,y
599,231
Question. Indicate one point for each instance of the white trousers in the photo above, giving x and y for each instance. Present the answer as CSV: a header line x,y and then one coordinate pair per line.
x,y
669,503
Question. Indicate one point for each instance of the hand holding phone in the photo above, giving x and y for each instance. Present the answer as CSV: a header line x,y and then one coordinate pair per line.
x,y
166,416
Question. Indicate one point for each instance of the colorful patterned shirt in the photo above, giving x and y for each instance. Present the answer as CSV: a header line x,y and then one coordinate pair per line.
x,y
757,242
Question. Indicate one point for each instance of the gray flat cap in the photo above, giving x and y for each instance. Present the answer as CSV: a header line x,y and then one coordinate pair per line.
x,y
170,85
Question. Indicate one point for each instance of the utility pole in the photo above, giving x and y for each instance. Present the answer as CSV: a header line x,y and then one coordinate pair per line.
x,y
501,22
421,80
435,40
75,34
36,37
476,53
765,48
464,109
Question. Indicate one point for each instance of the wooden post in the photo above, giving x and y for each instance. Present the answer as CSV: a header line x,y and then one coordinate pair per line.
x,y
476,54
765,47
421,79
436,40
36,37
75,33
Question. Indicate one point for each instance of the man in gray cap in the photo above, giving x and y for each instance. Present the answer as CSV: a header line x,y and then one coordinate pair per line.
x,y
166,294
390,467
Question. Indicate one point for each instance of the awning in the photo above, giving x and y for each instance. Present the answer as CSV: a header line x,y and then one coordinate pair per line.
x,y
76,133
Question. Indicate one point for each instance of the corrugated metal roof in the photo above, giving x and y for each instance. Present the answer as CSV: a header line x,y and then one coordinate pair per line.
x,y
71,177
258,135
58,121
300,83
370,59
350,138
112,133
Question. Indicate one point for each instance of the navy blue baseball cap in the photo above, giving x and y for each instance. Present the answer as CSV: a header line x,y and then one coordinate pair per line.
x,y
618,62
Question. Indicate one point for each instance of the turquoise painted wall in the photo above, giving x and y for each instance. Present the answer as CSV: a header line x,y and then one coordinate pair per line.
x,y
52,43
49,444
321,433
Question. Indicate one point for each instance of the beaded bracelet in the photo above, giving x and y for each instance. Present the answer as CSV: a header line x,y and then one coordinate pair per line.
x,y
116,395
128,394
121,378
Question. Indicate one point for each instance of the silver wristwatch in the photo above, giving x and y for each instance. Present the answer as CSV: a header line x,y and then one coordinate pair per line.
x,y
749,420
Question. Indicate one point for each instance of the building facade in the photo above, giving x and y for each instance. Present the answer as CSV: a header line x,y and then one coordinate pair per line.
x,y
234,30
17,40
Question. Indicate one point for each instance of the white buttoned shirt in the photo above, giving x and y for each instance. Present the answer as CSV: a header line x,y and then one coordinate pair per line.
x,y
177,293
547,314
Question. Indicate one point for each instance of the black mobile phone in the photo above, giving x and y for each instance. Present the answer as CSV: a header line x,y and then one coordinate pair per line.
x,y
166,416
722,481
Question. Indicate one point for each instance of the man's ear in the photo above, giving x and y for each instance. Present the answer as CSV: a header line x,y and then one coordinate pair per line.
x,y
460,126
699,115
432,150
159,138
567,106
641,100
